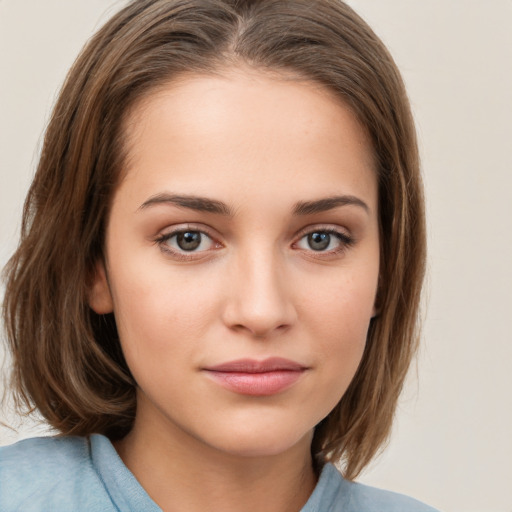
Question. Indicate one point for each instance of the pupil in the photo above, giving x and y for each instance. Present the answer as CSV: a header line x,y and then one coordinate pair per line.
x,y
319,241
188,241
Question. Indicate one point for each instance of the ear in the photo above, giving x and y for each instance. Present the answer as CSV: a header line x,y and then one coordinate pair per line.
x,y
100,298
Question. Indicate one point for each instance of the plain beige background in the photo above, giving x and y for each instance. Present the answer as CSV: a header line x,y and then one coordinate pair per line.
x,y
452,443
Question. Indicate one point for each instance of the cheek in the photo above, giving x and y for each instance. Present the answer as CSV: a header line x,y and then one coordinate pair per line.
x,y
344,303
161,313
339,322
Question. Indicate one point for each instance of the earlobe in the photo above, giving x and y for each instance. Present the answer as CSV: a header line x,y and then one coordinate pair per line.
x,y
100,298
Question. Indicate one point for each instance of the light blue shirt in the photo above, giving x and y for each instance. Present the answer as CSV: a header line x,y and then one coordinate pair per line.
x,y
72,474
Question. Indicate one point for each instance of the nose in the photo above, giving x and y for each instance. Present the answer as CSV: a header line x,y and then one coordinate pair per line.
x,y
260,297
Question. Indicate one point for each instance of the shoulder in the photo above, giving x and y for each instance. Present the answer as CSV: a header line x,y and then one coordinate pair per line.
x,y
372,498
50,473
337,494
50,449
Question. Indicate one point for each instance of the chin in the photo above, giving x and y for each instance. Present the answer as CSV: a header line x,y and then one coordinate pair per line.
x,y
257,443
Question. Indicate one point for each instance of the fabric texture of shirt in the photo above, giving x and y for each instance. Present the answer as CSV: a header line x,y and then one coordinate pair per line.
x,y
71,474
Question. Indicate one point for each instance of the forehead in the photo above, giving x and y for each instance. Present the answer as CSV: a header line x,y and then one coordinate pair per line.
x,y
242,126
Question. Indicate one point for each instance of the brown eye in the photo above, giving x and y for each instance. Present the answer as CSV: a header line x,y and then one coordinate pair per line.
x,y
319,241
326,241
189,240
186,241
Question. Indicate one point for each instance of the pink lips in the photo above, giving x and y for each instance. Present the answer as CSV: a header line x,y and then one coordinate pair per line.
x,y
256,378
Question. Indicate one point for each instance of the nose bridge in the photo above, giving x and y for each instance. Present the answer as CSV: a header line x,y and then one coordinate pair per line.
x,y
261,300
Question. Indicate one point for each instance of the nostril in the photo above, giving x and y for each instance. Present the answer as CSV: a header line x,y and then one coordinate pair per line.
x,y
259,331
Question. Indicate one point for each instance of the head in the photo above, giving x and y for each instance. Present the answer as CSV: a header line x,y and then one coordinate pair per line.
x,y
73,369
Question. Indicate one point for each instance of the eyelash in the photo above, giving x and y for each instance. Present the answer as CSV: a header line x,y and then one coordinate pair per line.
x,y
345,241
162,240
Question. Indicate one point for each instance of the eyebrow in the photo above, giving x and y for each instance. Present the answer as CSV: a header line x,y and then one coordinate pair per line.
x,y
205,204
328,203
200,204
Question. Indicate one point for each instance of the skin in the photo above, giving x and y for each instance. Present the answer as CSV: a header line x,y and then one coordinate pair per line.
x,y
254,288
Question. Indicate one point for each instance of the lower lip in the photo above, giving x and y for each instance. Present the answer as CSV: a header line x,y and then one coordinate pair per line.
x,y
257,384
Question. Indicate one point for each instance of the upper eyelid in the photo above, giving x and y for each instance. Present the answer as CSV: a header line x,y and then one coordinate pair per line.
x,y
181,228
331,228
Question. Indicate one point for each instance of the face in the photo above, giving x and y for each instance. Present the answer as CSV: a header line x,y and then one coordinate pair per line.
x,y
242,259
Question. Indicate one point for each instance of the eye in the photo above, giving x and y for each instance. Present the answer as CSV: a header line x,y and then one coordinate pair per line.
x,y
186,241
189,241
324,240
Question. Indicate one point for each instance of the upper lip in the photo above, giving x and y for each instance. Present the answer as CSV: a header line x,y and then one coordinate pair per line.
x,y
272,364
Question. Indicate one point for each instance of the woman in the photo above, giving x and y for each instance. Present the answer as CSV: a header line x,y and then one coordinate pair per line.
x,y
221,257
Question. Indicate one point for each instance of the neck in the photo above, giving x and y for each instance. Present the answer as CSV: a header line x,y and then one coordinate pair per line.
x,y
180,472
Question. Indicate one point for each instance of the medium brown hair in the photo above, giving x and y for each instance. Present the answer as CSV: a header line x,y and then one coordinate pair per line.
x,y
67,360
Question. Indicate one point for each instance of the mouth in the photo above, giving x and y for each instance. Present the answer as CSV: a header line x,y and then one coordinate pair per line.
x,y
256,378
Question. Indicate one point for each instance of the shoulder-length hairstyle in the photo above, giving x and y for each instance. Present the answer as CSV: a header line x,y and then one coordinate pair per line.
x,y
67,360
